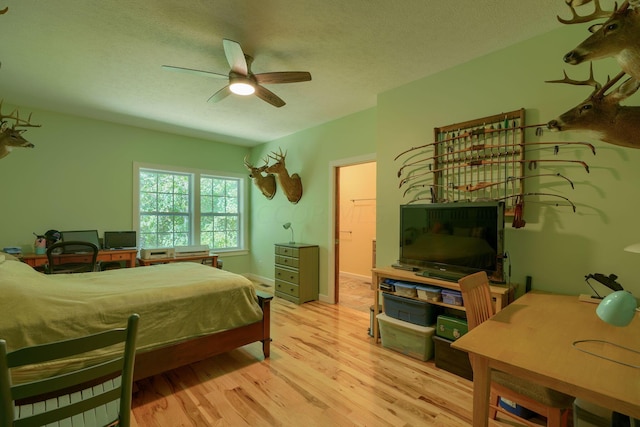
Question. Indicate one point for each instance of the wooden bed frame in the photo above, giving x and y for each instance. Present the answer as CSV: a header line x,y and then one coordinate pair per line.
x,y
153,362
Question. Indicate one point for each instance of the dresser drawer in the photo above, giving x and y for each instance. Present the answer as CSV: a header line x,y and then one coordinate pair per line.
x,y
285,250
120,257
287,261
287,288
290,276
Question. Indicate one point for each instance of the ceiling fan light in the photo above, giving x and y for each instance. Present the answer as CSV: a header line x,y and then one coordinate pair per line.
x,y
242,88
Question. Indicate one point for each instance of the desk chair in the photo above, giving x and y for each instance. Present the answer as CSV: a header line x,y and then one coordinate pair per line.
x,y
98,395
555,406
72,257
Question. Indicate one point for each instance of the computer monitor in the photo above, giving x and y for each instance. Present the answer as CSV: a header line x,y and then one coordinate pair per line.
x,y
82,236
120,240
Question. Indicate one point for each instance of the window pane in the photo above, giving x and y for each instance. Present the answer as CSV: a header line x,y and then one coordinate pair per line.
x,y
164,209
166,216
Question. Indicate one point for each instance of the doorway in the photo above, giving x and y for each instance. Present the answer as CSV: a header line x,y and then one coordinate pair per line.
x,y
355,234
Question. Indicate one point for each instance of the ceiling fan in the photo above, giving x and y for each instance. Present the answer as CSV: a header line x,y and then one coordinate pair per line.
x,y
242,81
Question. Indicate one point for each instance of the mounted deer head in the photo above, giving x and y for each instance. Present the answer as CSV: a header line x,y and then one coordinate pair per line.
x,y
617,37
12,136
266,183
602,113
291,185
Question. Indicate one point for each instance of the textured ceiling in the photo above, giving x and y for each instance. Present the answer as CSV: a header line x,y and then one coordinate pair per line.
x,y
102,58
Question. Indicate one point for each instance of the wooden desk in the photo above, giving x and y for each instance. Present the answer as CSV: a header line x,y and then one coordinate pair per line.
x,y
202,258
499,294
128,255
532,338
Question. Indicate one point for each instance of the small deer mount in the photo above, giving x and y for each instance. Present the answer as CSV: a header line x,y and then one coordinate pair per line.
x,y
11,136
291,184
266,183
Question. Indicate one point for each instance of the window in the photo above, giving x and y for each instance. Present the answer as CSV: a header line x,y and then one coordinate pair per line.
x,y
182,207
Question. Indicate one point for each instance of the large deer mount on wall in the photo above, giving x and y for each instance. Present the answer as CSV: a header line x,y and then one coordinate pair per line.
x,y
11,136
618,37
602,112
291,184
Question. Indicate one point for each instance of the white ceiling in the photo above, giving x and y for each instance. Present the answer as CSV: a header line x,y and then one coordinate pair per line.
x,y
102,58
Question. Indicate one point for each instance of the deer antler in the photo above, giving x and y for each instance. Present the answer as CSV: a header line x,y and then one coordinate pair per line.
x,y
15,115
589,82
278,157
597,13
599,90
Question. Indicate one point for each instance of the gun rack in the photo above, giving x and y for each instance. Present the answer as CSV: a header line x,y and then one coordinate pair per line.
x,y
476,160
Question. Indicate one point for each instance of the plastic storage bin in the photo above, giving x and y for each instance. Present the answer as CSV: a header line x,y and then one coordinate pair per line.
x,y
451,359
409,310
405,289
429,293
452,297
450,327
406,338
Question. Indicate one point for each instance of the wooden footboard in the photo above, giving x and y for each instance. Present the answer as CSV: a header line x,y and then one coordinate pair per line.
x,y
163,359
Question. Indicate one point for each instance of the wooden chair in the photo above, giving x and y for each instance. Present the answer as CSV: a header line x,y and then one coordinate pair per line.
x,y
72,257
97,395
553,405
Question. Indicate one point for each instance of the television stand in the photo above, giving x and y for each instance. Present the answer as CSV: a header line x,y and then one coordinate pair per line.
x,y
449,276
499,294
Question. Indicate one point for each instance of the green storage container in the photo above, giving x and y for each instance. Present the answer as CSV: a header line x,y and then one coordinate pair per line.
x,y
451,328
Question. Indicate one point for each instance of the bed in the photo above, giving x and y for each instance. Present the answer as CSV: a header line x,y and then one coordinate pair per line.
x,y
188,311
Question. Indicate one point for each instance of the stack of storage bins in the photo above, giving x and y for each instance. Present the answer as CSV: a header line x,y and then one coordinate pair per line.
x,y
406,325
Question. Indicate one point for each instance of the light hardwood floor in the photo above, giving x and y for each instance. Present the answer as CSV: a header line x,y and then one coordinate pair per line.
x,y
324,370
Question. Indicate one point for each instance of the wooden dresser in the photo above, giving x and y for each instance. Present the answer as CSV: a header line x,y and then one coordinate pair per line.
x,y
296,272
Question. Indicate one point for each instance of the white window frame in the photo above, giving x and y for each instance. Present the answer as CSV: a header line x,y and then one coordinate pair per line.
x,y
195,201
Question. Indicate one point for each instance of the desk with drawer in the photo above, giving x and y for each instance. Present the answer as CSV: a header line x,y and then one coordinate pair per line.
x,y
296,272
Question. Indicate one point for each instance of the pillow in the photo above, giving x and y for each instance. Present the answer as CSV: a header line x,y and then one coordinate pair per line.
x,y
477,232
8,257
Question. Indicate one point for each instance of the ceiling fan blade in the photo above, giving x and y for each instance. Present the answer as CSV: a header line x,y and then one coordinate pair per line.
x,y
268,96
283,77
220,95
198,72
235,56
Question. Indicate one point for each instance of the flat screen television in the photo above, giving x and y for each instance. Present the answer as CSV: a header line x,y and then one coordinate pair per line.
x,y
451,240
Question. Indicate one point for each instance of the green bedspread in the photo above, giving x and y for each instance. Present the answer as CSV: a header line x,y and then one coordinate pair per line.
x,y
175,302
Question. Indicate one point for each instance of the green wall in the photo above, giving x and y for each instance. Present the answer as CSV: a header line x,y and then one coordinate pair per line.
x,y
309,154
80,175
557,247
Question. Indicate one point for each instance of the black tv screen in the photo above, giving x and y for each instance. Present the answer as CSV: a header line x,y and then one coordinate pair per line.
x,y
461,238
120,239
